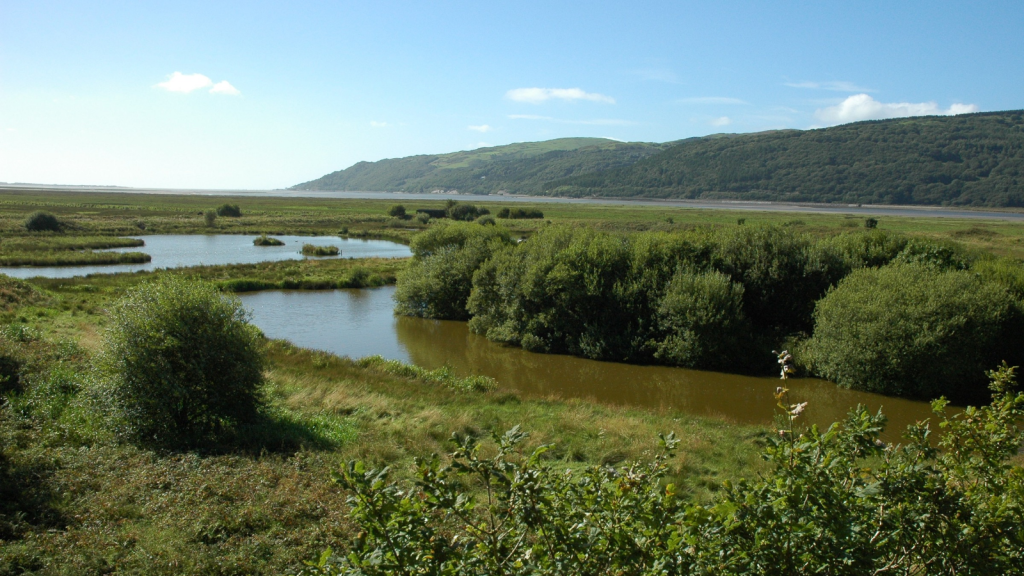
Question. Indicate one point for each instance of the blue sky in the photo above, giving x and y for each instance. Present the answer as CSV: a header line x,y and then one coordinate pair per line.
x,y
264,95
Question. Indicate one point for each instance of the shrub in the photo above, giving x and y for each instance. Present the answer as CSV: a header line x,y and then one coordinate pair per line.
x,y
314,250
437,283
185,365
397,211
422,217
703,315
486,221
465,212
914,330
834,501
871,223
229,211
42,222
520,213
210,217
264,240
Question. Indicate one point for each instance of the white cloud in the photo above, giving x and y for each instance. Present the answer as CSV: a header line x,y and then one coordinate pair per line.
x,y
720,121
481,128
835,86
538,95
712,100
224,87
863,107
529,117
376,124
185,83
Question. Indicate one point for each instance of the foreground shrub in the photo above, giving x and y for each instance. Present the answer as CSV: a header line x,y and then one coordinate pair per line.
x,y
42,222
835,501
914,330
185,365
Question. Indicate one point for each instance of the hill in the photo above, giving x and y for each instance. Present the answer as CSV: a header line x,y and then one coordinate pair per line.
x,y
517,168
973,160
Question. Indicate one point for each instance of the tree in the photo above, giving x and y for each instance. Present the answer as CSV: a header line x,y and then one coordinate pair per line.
x,y
185,365
397,211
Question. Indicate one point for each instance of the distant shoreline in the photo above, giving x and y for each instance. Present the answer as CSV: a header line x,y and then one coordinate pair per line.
x,y
739,205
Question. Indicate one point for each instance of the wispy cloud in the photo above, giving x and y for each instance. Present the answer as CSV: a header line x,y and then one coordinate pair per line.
x,y
594,122
835,86
539,95
863,107
377,124
481,128
720,121
711,100
224,87
185,83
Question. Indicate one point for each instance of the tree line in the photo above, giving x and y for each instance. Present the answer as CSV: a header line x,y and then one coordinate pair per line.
x,y
871,309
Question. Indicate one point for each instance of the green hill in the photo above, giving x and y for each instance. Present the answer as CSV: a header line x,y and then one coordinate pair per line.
x,y
973,159
517,168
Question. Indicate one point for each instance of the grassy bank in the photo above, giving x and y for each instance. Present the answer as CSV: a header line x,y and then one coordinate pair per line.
x,y
56,249
76,500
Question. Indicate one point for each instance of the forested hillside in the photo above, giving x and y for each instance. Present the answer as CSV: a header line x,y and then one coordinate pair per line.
x,y
517,168
973,159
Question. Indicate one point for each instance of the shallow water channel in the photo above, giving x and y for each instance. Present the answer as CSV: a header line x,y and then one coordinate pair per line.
x,y
181,250
359,323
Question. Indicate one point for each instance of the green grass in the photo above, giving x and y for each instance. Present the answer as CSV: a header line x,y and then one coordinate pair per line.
x,y
265,240
69,258
49,249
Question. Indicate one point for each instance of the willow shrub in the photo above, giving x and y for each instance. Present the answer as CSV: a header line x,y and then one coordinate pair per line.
x,y
185,365
914,330
701,315
835,501
437,283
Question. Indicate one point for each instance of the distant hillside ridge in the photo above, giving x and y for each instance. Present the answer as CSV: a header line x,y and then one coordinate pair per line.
x,y
521,168
967,160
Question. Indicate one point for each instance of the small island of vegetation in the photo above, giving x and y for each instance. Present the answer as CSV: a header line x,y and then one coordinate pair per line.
x,y
314,250
264,240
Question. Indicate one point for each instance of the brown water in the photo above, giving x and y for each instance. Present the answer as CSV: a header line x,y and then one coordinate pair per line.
x,y
360,323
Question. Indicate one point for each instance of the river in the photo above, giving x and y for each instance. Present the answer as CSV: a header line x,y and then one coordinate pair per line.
x,y
359,323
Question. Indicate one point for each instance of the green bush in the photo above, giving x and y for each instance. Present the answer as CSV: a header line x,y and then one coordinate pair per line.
x,y
397,211
42,222
703,316
210,217
314,250
914,330
185,365
437,283
264,240
229,211
834,501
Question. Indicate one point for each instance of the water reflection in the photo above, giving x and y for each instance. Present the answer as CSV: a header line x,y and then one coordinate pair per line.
x,y
359,323
182,250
